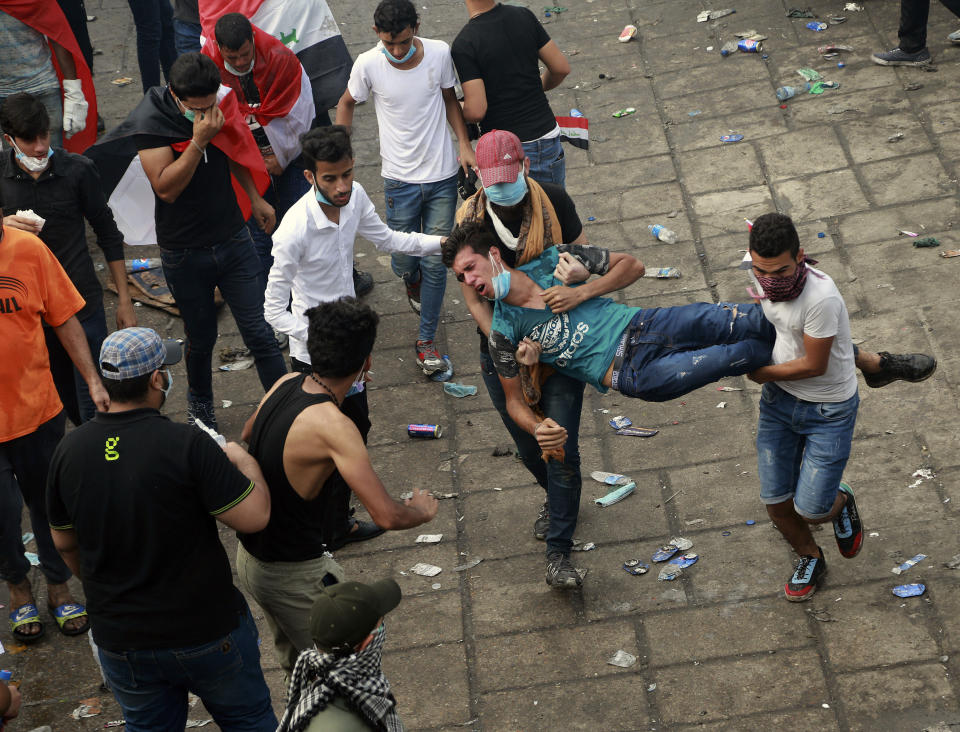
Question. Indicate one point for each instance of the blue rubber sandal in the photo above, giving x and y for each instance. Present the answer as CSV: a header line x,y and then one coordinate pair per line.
x,y
25,615
70,611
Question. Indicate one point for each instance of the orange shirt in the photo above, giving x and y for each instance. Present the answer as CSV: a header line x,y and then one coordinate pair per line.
x,y
33,286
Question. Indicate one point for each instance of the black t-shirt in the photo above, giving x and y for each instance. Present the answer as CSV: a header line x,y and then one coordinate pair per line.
x,y
502,47
570,228
142,492
206,213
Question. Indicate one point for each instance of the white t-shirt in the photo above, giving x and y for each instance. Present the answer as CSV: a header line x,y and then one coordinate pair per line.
x,y
819,312
415,144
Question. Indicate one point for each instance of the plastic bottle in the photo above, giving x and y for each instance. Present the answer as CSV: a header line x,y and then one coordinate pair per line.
x,y
786,92
138,265
663,233
728,48
5,675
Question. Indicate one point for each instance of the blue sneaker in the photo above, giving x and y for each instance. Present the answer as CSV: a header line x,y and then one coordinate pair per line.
x,y
806,578
847,526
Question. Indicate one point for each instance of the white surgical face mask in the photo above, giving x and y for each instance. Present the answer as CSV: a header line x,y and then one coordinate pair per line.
x,y
236,72
34,165
169,385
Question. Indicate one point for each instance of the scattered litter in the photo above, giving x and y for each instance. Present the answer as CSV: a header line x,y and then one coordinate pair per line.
x,y
953,563
225,404
852,8
832,50
787,92
694,522
840,64
731,138
627,34
591,218
751,35
685,560
635,567
816,26
664,553
725,533
662,233
435,586
722,405
950,253
681,543
468,565
429,538
426,570
574,112
706,15
32,558
459,390
27,538
197,723
874,533
694,113
669,573
800,13
609,478
617,495
895,138
926,242
588,547
837,19
818,86
88,708
909,590
652,687
912,86
622,659
729,388
624,112
239,365
664,273
748,45
909,563
115,723
637,431
122,81
620,421
809,74
921,475
903,232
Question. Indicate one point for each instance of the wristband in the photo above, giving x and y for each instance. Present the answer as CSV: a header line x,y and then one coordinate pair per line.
x,y
200,149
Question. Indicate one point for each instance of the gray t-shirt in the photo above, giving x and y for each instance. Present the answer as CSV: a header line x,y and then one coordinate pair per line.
x,y
27,63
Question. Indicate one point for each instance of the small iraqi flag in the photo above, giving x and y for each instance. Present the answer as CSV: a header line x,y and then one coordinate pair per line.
x,y
306,27
575,131
124,181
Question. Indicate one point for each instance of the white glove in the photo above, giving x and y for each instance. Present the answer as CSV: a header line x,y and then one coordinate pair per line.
x,y
74,108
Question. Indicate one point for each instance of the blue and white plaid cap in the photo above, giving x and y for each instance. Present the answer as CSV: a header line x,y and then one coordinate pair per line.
x,y
132,352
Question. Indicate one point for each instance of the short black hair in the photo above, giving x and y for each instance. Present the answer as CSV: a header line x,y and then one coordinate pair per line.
x,y
23,115
194,75
127,390
330,144
233,30
340,336
773,234
470,234
395,16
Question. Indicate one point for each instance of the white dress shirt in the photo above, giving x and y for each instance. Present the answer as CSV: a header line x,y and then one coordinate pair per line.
x,y
313,259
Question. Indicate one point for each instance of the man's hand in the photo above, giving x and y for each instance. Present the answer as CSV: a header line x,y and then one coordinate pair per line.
x,y
273,165
570,270
263,214
206,125
550,435
468,158
424,502
561,299
99,395
528,352
126,314
74,108
22,223
13,708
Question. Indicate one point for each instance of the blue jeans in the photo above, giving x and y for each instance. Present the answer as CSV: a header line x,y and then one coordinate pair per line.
x,y
802,449
186,36
547,162
284,191
151,686
155,50
562,400
428,208
668,352
192,275
70,385
24,463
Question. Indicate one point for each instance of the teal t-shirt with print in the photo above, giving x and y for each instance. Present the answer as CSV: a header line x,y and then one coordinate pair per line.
x,y
580,343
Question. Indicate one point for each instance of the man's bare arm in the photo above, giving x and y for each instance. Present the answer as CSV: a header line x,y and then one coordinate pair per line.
x,y
479,308
548,433
71,335
345,108
65,540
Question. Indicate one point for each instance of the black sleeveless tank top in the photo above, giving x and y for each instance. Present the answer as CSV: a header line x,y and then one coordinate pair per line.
x,y
298,529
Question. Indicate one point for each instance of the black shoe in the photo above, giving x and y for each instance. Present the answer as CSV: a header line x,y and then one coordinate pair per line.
x,y
898,57
906,366
561,573
542,524
362,282
847,526
806,578
365,530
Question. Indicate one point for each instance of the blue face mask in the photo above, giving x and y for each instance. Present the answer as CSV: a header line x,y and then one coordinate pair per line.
x,y
407,57
320,197
507,194
501,280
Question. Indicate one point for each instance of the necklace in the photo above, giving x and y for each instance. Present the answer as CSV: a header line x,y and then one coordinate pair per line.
x,y
329,390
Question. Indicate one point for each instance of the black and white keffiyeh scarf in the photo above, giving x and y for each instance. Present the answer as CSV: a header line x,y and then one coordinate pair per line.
x,y
319,677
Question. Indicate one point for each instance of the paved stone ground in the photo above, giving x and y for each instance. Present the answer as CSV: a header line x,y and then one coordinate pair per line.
x,y
493,648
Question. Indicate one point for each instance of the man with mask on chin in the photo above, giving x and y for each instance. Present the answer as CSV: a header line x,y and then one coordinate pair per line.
x,y
313,261
133,502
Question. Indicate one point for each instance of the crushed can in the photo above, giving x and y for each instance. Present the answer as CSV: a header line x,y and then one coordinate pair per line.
x,y
664,553
619,422
748,46
424,431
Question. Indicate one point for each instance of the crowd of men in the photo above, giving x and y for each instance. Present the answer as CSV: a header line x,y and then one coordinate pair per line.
x,y
251,193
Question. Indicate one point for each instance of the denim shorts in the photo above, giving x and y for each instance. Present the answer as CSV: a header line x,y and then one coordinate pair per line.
x,y
802,449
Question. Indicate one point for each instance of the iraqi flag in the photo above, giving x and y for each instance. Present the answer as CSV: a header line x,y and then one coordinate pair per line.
x,y
575,131
124,181
47,18
286,107
306,27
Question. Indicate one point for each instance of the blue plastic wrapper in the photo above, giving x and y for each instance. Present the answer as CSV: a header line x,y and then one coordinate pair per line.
x,y
911,590
731,138
444,375
459,390
615,496
664,553
576,112
684,560
619,422
635,567
637,431
816,26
